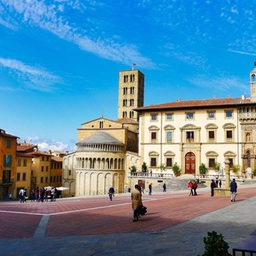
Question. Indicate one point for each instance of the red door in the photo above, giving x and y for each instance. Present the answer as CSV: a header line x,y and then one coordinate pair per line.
x,y
190,163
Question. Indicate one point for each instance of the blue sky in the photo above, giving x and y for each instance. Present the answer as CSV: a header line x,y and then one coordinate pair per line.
x,y
60,60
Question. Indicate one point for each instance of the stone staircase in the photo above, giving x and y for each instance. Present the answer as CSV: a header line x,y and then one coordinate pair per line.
x,y
176,184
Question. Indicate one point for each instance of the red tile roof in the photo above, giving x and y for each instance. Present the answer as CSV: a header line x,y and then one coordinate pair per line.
x,y
197,104
126,120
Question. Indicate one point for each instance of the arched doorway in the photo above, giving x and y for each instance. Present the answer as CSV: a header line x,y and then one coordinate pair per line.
x,y
190,163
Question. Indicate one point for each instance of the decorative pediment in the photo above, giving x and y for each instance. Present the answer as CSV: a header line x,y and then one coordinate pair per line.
x,y
169,153
211,126
153,128
212,154
169,127
229,154
153,153
229,126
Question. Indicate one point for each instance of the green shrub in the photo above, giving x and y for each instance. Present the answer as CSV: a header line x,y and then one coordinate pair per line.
x,y
215,245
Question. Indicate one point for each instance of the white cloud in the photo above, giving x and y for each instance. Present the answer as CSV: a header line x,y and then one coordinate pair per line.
x,y
51,18
49,144
35,78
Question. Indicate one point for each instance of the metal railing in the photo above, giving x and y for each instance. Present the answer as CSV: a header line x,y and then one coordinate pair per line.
x,y
151,175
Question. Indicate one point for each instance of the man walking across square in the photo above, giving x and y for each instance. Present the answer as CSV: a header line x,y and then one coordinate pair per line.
x,y
233,189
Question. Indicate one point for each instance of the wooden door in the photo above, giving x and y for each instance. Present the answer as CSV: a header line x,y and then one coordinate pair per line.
x,y
190,163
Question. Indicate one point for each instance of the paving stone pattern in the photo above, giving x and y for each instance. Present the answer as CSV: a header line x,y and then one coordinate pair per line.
x,y
174,225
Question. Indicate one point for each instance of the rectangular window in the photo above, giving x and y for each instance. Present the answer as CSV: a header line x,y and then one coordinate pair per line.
x,y
25,162
211,115
23,176
8,143
42,158
6,176
101,124
229,134
169,136
153,162
211,135
7,160
18,176
132,78
47,168
153,117
126,79
153,135
190,115
230,162
69,172
46,179
229,114
42,168
19,162
132,90
169,116
42,180
132,103
189,135
211,162
169,162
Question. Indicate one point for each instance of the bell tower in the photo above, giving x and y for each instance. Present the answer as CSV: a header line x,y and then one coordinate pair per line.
x,y
130,93
253,84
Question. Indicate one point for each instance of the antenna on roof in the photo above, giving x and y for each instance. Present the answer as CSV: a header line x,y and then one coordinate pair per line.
x,y
102,113
133,65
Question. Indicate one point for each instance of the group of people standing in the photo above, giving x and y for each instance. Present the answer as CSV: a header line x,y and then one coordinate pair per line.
x,y
192,186
232,185
38,194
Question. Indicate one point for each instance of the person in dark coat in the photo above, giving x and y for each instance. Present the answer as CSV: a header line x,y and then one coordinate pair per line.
x,y
111,193
213,185
233,189
194,186
136,202
150,189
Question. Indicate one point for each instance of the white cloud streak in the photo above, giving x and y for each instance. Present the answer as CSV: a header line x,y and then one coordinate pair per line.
x,y
34,78
50,18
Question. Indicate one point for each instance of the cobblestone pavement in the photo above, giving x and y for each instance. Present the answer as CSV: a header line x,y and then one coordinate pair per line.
x,y
175,224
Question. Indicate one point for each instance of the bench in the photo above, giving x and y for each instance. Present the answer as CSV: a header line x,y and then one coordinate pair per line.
x,y
248,245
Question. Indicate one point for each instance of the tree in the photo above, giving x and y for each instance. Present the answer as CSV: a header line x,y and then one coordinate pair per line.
x,y
176,169
202,169
162,167
133,168
215,245
144,167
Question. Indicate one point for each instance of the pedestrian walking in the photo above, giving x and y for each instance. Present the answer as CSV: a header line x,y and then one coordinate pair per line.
x,y
21,194
136,202
190,187
194,188
220,183
164,187
111,193
150,189
233,189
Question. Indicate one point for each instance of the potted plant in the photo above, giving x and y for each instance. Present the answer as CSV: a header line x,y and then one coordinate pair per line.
x,y
254,174
216,166
202,169
176,170
235,168
144,167
162,167
133,170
